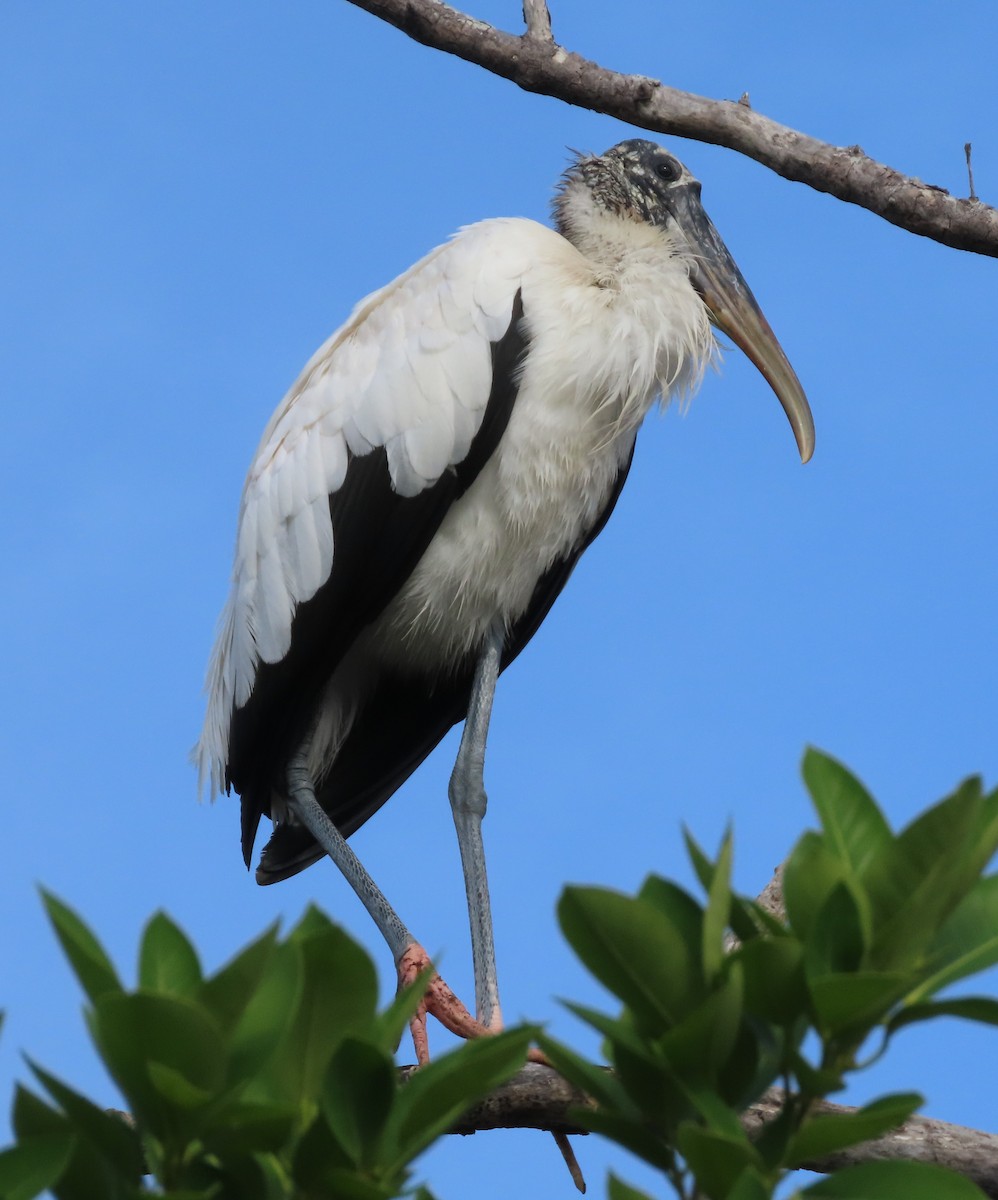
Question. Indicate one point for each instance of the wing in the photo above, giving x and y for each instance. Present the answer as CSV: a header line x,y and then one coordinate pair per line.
x,y
401,724
388,424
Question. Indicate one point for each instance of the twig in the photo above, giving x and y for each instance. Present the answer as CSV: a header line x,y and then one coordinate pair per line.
x,y
538,64
771,896
538,20
970,170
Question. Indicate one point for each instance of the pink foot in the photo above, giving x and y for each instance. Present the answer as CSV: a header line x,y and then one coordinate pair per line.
x,y
440,1002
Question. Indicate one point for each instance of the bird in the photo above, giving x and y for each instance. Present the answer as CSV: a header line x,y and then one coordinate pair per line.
x,y
421,495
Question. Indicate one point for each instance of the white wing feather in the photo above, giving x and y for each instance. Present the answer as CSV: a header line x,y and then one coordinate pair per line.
x,y
411,371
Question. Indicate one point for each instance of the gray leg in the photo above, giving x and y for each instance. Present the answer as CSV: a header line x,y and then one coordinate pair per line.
x,y
468,803
301,793
411,959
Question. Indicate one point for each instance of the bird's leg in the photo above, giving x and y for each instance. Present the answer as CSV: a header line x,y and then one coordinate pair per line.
x,y
410,957
468,803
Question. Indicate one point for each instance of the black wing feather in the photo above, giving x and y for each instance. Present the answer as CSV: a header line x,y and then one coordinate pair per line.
x,y
402,723
379,537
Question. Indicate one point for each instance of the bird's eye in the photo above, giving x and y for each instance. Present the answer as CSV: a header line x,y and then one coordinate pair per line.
x,y
668,170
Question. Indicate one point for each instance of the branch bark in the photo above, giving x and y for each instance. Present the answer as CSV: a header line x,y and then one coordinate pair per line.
x,y
536,63
538,1098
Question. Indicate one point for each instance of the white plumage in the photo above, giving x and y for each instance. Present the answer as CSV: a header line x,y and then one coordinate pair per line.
x,y
410,370
422,493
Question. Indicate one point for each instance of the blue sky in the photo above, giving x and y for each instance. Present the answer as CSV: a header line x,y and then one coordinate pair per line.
x,y
194,196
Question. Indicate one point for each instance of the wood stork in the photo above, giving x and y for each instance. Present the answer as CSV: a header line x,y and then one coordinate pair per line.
x,y
421,495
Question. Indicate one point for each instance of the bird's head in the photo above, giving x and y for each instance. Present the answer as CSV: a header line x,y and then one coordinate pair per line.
x,y
643,185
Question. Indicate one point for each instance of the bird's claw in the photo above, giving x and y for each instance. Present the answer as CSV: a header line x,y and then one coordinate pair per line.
x,y
438,1001
441,1002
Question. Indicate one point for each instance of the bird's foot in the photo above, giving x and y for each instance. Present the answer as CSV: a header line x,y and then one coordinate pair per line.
x,y
440,1002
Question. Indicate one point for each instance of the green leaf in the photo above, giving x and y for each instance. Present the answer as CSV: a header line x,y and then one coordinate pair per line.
x,y
318,1153
338,998
593,1080
268,1013
633,1135
115,1140
844,1003
698,1047
809,875
715,922
347,1185
390,1025
746,918
757,1058
248,1176
680,910
895,1180
826,1133
176,1089
774,1137
168,962
34,1165
718,1116
249,1128
816,1081
854,826
717,1161
360,1089
651,1085
774,978
916,882
91,966
31,1115
836,941
970,1008
702,865
716,880
750,1185
634,950
226,993
438,1093
135,1031
967,942
750,920
88,1172
618,1190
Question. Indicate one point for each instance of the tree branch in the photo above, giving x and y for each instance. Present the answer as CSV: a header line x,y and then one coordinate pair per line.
x,y
920,1139
536,63
538,20
538,1098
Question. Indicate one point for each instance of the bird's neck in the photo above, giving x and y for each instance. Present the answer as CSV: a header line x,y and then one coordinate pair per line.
x,y
618,246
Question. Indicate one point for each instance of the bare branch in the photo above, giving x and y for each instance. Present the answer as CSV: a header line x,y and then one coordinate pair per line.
x,y
771,896
539,64
970,169
538,20
920,1139
538,1098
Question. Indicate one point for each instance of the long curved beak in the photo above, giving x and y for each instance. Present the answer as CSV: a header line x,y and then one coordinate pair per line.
x,y
735,312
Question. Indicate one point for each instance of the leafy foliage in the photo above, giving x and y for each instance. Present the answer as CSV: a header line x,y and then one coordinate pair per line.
x,y
876,925
274,1078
